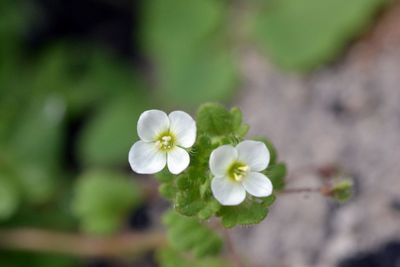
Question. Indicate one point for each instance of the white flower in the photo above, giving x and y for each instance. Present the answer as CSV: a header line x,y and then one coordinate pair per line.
x,y
163,139
237,170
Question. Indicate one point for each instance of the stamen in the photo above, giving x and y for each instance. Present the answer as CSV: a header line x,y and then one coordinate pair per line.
x,y
243,168
238,171
237,177
165,141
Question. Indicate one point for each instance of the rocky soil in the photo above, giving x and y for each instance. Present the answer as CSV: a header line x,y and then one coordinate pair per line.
x,y
347,113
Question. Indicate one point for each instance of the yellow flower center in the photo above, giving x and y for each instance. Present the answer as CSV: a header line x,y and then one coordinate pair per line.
x,y
237,171
166,141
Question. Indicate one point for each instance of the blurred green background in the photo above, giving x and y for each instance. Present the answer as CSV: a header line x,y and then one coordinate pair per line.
x,y
75,76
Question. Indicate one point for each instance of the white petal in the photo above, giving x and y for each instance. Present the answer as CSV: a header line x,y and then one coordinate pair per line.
x,y
145,158
253,153
184,127
257,184
178,160
151,123
221,158
227,192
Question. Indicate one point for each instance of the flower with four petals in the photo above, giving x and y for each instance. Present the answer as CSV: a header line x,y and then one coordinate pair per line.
x,y
164,140
237,170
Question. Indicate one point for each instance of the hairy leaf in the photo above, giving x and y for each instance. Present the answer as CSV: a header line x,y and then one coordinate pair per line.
x,y
188,234
251,211
215,120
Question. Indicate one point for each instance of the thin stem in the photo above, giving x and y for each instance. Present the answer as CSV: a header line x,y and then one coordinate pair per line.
x,y
301,190
321,171
79,245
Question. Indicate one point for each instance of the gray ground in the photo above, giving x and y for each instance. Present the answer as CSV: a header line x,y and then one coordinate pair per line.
x,y
349,113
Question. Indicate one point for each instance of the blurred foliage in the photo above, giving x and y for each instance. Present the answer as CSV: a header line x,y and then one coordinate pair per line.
x,y
168,257
342,190
58,110
9,197
16,259
187,41
112,130
188,234
103,199
303,34
68,112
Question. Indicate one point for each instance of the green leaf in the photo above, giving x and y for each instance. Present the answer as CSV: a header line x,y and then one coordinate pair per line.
x,y
277,173
55,215
215,120
167,187
82,76
303,34
38,135
34,148
188,234
165,176
193,196
209,210
168,257
9,197
103,199
251,211
103,79
106,139
203,75
167,190
190,191
342,190
174,26
237,120
193,61
37,184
